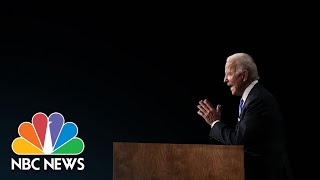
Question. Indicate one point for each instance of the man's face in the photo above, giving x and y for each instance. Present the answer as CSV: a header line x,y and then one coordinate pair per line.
x,y
233,80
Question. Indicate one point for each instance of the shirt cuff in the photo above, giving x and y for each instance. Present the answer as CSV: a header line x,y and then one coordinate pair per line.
x,y
214,123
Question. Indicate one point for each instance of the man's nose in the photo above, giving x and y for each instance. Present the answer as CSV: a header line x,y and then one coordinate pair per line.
x,y
225,79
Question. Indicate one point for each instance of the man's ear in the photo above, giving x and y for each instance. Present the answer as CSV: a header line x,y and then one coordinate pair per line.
x,y
245,75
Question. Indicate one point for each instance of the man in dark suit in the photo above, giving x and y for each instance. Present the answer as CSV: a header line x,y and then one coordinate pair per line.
x,y
260,127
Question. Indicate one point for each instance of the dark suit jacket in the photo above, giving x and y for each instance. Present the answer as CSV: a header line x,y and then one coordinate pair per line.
x,y
261,131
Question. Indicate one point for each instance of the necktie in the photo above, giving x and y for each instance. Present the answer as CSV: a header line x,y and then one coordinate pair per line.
x,y
240,106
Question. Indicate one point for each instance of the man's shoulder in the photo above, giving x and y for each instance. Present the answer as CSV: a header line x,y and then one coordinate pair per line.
x,y
260,92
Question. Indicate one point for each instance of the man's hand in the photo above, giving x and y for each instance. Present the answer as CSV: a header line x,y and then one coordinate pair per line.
x,y
208,112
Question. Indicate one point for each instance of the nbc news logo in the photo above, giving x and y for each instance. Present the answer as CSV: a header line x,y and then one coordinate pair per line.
x,y
48,136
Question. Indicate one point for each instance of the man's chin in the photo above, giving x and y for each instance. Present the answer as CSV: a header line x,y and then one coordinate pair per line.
x,y
234,93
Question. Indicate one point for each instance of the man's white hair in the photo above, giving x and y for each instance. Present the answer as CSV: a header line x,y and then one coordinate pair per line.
x,y
244,61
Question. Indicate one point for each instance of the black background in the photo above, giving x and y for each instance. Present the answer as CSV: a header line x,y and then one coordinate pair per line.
x,y
136,75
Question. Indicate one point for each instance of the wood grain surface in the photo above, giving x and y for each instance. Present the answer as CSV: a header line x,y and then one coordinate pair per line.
x,y
155,161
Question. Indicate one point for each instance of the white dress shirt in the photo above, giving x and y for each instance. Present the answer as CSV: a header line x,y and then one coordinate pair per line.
x,y
244,97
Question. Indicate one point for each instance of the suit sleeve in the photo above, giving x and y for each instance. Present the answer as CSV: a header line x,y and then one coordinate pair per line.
x,y
248,130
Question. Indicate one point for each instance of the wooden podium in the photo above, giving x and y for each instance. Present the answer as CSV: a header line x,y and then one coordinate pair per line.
x,y
155,161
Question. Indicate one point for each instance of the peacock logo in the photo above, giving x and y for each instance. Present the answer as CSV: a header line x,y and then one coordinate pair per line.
x,y
48,136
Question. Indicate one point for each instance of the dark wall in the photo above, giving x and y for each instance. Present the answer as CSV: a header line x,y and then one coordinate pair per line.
x,y
134,77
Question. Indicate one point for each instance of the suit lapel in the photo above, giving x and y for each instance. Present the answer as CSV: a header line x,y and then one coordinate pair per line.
x,y
249,98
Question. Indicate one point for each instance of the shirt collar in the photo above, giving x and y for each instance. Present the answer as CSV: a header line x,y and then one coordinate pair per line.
x,y
247,90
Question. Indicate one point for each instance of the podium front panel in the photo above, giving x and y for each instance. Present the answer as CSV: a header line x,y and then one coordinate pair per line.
x,y
156,161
